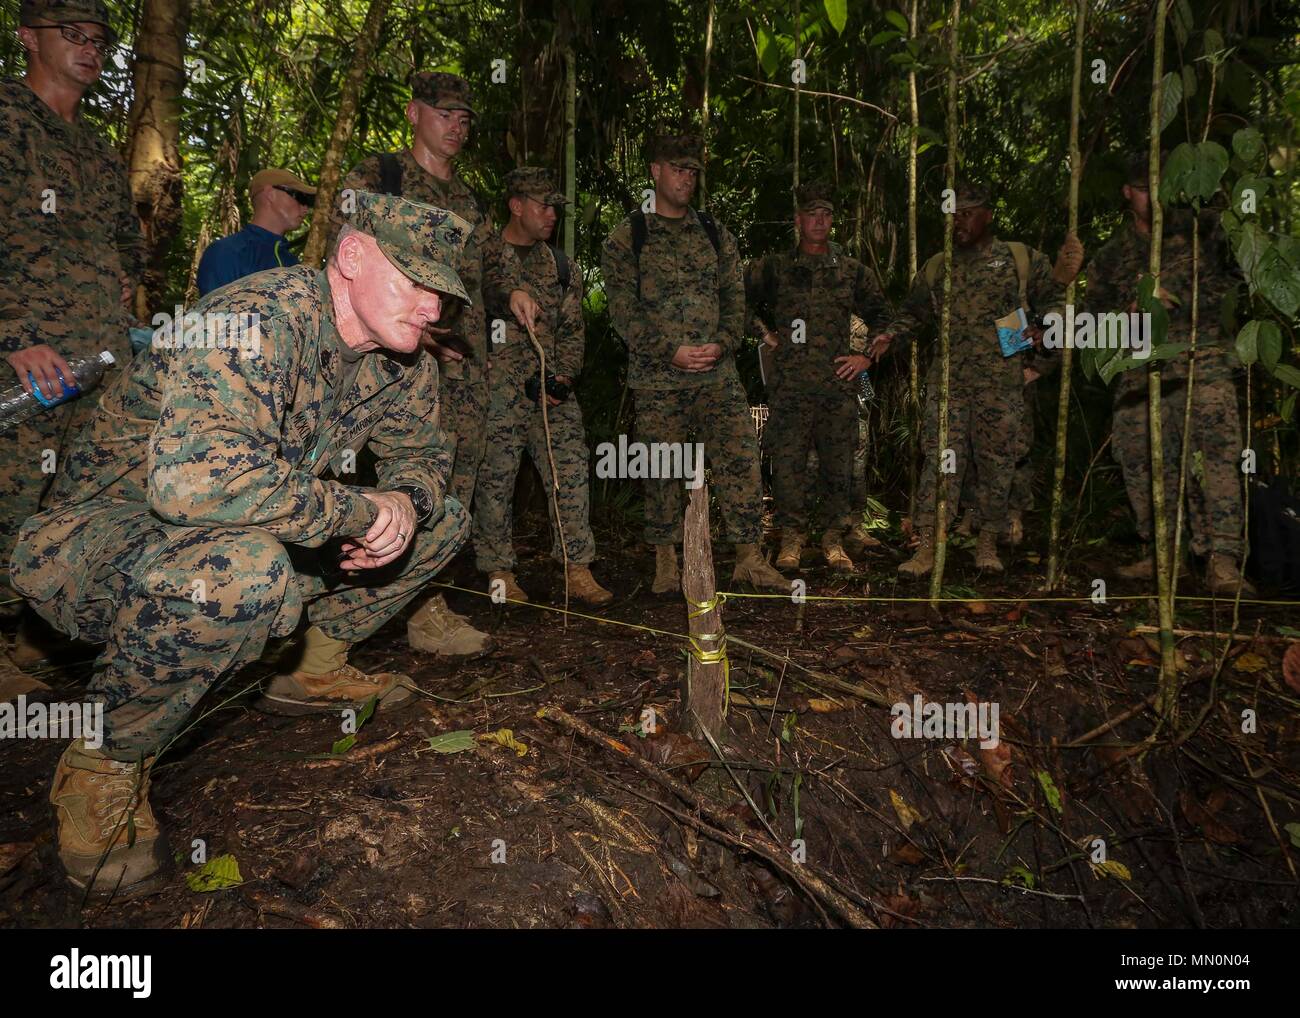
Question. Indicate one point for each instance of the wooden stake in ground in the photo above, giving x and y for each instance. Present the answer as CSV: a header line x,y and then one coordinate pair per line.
x,y
331,169
704,696
913,356
1067,351
945,320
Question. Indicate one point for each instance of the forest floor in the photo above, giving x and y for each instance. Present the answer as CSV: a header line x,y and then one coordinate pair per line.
x,y
1057,826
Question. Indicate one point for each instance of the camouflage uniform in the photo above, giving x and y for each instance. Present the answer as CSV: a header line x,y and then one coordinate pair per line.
x,y
61,274
465,388
514,420
192,522
986,401
689,294
807,404
1214,499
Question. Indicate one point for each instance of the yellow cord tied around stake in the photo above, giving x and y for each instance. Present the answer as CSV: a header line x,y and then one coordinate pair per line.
x,y
717,654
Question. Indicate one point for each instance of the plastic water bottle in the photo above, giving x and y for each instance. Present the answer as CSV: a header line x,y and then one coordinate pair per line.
x,y
866,391
17,405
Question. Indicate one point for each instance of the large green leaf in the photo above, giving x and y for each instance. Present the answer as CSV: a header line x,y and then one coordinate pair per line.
x,y
1276,280
1250,246
1248,343
1248,143
768,55
1107,371
837,11
1286,373
452,742
897,20
1193,171
1171,94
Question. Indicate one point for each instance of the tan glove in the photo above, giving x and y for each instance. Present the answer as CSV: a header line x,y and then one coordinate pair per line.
x,y
1069,260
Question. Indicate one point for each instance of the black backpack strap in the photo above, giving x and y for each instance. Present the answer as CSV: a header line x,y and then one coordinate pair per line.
x,y
639,233
711,228
390,174
563,268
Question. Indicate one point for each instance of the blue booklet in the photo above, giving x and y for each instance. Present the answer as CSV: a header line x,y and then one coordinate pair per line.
x,y
1011,332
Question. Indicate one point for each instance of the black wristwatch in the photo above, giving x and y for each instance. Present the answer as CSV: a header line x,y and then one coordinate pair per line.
x,y
420,499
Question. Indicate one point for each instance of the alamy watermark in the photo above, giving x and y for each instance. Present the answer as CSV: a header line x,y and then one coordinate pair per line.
x,y
1109,330
928,720
36,720
626,460
212,330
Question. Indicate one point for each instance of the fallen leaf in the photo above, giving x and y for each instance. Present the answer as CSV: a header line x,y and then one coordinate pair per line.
x,y
1052,793
216,875
902,905
980,608
1250,663
1293,830
14,853
906,815
452,742
865,633
1291,666
1204,818
505,737
677,753
962,760
997,761
1111,868
822,706
908,854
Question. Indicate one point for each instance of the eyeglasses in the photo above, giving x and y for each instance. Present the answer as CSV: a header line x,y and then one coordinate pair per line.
x,y
102,46
301,197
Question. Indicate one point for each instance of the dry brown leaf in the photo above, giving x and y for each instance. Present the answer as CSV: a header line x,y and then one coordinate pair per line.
x,y
997,761
980,608
1250,663
1291,666
906,815
14,853
908,854
1203,818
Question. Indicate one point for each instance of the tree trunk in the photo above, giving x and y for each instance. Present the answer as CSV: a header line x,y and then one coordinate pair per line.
x,y
945,316
1167,697
332,168
1067,352
704,699
913,260
153,140
570,150
704,111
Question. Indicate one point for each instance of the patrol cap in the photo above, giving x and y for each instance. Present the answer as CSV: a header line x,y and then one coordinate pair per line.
x,y
1138,171
443,91
970,196
681,149
817,194
536,183
423,241
67,12
278,178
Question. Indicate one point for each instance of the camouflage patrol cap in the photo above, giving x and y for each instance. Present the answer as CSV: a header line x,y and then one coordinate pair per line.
x,y
536,183
817,194
971,196
443,91
423,241
681,149
67,12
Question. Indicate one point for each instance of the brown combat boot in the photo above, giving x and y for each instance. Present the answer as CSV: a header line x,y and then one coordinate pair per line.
x,y
584,587
1222,577
14,682
922,562
297,693
859,539
1141,568
966,528
667,579
1015,528
501,583
791,550
436,629
986,552
103,814
833,550
753,569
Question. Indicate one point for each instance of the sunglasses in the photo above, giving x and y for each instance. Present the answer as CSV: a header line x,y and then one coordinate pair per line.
x,y
102,46
301,197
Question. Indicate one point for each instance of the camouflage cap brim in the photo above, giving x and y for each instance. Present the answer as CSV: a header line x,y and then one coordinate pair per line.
x,y
689,163
817,203
424,272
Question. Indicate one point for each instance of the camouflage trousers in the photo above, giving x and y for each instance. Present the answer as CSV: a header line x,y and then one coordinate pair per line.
x,y
1213,462
986,430
717,415
515,424
464,421
796,423
30,456
182,609
1022,484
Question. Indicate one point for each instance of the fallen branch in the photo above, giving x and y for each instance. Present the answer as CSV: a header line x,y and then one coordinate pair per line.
x,y
357,755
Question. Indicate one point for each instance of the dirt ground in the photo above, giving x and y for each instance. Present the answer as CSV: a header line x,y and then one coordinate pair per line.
x,y
1058,826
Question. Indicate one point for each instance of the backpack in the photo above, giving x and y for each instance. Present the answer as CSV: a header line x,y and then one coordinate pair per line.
x,y
640,232
390,181
1019,253
563,267
1275,535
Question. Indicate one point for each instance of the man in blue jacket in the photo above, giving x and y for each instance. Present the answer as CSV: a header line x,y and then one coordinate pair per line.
x,y
280,203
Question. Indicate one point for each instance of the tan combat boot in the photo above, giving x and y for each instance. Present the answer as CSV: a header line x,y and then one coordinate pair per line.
x,y
507,588
584,587
103,813
859,539
753,569
1141,568
833,550
14,682
986,552
791,550
966,528
1015,528
922,562
667,579
297,693
1222,577
436,629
